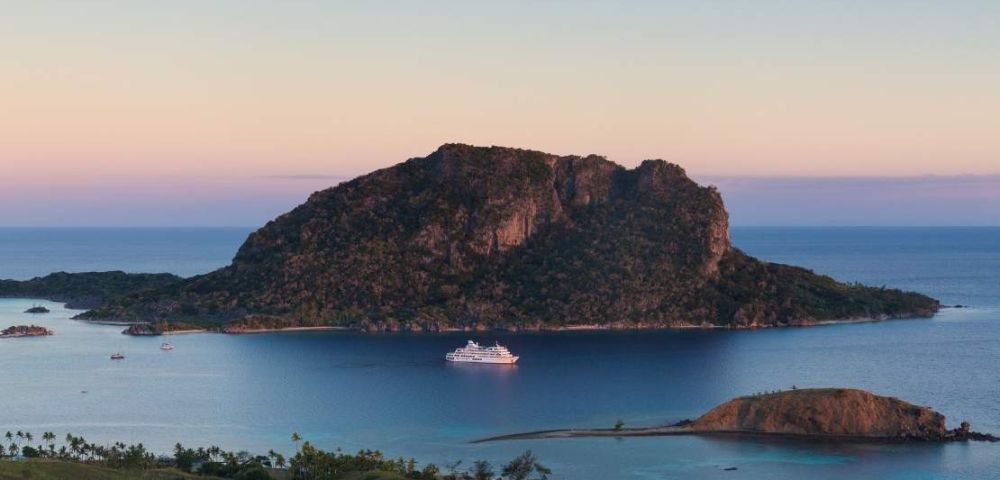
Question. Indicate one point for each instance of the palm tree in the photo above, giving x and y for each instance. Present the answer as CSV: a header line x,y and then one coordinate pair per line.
x,y
28,437
50,439
523,466
74,444
279,460
296,438
214,451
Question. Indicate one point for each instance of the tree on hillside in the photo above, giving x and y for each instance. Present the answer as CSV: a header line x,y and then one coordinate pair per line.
x,y
523,466
482,470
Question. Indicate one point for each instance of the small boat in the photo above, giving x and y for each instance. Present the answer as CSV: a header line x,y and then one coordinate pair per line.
x,y
118,356
473,353
167,346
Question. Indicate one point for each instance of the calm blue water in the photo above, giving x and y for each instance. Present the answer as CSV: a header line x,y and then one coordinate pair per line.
x,y
393,392
31,252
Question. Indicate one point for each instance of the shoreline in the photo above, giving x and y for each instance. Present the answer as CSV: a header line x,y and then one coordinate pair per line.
x,y
285,329
515,331
117,323
681,429
665,430
184,332
607,327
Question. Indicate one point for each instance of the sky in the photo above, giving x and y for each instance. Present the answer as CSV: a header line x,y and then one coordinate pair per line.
x,y
229,112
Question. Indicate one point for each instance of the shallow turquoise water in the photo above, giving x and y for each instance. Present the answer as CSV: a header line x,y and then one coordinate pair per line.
x,y
393,391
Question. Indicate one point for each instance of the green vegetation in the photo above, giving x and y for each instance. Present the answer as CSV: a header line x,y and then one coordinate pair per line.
x,y
49,469
754,293
24,457
84,290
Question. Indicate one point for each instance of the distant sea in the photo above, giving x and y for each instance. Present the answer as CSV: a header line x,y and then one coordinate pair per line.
x,y
394,392
31,252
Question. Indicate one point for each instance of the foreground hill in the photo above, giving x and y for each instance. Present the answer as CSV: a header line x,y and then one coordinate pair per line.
x,y
51,469
472,237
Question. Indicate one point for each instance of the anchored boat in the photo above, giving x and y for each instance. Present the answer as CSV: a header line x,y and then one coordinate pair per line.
x,y
472,352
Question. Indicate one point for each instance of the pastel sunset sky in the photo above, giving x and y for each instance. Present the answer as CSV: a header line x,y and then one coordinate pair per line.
x,y
229,112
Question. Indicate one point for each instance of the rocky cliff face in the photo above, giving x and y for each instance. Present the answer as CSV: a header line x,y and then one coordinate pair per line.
x,y
473,237
838,412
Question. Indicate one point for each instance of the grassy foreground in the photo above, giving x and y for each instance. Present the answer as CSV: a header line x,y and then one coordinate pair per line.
x,y
28,457
45,469
48,469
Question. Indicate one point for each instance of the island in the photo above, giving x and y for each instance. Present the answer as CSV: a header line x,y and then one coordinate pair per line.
x,y
834,414
487,238
37,309
480,238
25,331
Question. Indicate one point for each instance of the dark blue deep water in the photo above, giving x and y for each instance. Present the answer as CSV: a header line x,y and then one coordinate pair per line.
x,y
394,392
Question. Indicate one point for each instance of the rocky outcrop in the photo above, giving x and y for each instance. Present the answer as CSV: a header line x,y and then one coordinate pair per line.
x,y
142,330
472,237
37,309
25,331
835,412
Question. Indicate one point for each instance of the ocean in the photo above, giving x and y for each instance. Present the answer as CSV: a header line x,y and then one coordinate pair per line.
x,y
394,392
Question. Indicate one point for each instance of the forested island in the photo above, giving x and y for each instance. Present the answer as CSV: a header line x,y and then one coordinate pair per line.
x,y
478,238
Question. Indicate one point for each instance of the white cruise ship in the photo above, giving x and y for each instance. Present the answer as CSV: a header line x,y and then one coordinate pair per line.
x,y
474,353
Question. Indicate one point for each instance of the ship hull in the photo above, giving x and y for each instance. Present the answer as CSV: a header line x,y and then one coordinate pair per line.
x,y
497,361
